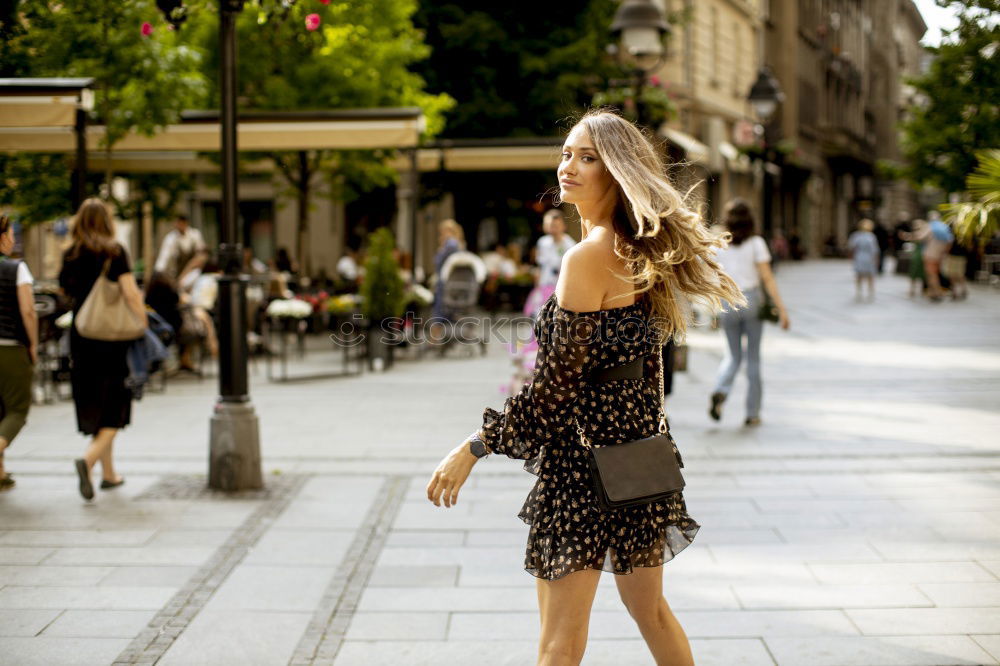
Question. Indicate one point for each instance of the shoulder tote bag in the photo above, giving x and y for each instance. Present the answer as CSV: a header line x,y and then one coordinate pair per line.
x,y
105,315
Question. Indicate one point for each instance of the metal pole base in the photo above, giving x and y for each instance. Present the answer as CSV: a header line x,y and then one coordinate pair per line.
x,y
234,448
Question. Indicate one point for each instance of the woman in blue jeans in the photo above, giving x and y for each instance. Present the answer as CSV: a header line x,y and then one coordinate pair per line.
x,y
748,262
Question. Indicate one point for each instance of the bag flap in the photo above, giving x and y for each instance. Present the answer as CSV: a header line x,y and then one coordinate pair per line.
x,y
641,468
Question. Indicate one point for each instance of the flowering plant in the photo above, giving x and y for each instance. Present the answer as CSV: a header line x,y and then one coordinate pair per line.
x,y
289,308
343,303
317,301
418,293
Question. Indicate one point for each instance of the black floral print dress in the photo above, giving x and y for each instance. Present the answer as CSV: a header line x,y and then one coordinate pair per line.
x,y
569,530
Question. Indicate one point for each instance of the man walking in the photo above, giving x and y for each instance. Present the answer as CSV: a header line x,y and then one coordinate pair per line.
x,y
551,247
182,250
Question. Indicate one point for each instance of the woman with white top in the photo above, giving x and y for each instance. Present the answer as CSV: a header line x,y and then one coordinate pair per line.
x,y
18,344
747,261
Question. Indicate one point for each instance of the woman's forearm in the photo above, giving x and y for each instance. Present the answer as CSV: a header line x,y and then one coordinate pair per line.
x,y
26,305
771,285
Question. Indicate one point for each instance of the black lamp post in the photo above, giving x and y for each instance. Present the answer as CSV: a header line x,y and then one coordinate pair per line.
x,y
234,446
639,30
765,96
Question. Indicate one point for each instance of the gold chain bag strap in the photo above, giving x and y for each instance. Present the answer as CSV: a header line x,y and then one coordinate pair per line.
x,y
105,315
637,472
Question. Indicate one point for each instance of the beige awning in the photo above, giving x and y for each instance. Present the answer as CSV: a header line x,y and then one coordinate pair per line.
x,y
168,162
736,161
39,111
501,158
362,129
694,149
49,102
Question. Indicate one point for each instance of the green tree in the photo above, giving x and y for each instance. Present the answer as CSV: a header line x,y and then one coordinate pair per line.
x,y
13,59
359,57
141,82
37,185
960,109
520,67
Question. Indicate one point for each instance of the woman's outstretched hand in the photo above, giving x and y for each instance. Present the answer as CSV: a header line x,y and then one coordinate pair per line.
x,y
450,475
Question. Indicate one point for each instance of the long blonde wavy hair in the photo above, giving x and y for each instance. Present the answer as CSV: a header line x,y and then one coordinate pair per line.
x,y
665,244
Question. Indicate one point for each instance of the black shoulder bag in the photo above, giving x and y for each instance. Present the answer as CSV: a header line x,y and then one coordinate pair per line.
x,y
638,472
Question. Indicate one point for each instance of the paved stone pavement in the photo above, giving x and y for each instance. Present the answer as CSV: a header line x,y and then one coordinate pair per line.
x,y
859,525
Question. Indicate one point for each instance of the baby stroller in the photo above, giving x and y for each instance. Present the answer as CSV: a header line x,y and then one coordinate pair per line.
x,y
463,275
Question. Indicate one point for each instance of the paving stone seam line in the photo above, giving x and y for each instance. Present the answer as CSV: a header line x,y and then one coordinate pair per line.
x,y
325,632
767,650
171,620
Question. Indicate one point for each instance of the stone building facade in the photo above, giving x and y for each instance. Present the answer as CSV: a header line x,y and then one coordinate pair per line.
x,y
841,65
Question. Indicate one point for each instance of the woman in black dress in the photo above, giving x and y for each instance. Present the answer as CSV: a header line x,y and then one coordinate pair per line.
x,y
617,299
99,368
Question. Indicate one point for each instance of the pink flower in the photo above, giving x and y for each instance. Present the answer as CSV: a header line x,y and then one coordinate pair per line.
x,y
325,2
655,80
312,22
147,29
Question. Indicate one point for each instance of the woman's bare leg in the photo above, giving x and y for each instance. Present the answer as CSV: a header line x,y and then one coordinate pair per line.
x,y
100,446
3,445
108,464
564,605
642,593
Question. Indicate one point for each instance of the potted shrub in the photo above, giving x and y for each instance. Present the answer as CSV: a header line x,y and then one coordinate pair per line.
x,y
382,295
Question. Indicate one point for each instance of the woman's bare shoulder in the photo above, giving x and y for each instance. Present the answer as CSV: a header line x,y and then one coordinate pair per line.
x,y
591,271
580,287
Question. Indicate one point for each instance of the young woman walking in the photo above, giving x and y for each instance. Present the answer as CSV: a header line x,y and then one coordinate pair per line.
x,y
616,299
99,368
748,261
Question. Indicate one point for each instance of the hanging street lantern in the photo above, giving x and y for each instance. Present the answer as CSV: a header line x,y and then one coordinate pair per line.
x,y
765,95
639,29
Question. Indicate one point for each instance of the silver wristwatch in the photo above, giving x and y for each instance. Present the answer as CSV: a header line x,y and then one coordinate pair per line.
x,y
477,446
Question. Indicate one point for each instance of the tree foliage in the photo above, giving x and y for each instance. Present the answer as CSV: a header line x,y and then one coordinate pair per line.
x,y
360,56
977,221
37,185
518,68
959,111
141,83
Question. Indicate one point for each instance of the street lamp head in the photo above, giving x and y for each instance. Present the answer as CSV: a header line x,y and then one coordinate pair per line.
x,y
765,94
640,28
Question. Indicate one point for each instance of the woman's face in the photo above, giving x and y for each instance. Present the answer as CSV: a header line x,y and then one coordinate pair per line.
x,y
582,175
